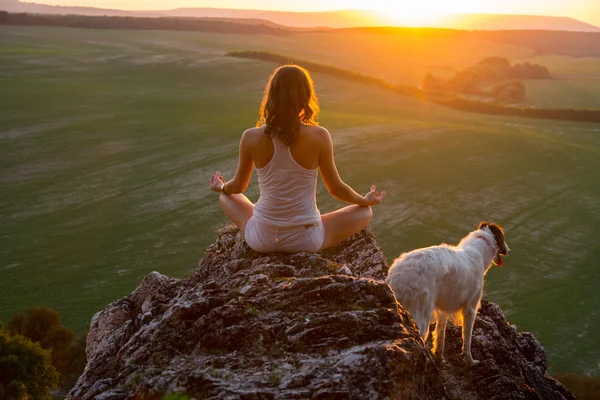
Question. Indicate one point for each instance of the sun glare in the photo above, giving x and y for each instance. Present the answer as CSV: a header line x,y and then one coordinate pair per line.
x,y
414,15
427,12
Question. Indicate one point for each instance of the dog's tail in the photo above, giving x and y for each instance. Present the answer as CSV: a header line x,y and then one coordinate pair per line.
x,y
418,304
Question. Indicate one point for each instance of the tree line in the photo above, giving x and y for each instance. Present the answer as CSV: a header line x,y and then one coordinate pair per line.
x,y
144,23
38,354
497,71
565,114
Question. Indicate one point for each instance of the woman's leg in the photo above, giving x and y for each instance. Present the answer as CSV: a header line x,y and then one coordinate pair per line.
x,y
237,207
343,223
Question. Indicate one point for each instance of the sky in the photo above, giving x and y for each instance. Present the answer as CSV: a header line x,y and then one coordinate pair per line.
x,y
584,10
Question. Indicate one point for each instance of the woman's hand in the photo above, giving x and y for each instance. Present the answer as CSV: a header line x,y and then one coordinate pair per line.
x,y
217,182
372,198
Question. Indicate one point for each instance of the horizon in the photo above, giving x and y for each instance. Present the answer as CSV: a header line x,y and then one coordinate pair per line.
x,y
587,11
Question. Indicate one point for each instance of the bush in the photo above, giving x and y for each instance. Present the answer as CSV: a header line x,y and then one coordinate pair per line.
x,y
431,82
25,368
511,91
43,325
490,70
583,387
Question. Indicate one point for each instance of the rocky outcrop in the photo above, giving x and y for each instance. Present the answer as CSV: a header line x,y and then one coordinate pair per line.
x,y
252,326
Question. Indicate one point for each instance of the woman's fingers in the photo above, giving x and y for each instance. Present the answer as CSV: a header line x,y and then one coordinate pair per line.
x,y
216,177
374,190
375,197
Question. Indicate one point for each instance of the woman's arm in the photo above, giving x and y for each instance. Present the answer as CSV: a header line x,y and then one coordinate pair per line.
x,y
240,181
333,182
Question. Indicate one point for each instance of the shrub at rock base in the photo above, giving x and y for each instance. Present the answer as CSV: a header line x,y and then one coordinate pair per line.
x,y
25,369
42,325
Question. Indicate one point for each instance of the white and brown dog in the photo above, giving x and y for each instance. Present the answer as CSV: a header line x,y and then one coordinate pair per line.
x,y
448,280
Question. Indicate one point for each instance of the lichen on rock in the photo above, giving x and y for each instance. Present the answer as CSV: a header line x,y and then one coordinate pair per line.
x,y
247,325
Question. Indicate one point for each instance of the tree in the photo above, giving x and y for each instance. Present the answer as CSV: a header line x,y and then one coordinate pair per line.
x,y
43,325
25,368
510,91
431,82
466,81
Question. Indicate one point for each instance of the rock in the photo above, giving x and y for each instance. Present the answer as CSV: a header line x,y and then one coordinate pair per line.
x,y
344,270
513,365
247,325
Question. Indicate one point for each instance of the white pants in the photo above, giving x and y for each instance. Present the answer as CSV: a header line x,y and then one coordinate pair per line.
x,y
266,238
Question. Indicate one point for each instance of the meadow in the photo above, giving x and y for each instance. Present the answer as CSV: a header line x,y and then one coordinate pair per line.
x,y
108,140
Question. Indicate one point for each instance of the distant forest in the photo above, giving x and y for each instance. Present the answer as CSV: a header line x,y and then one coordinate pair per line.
x,y
490,71
576,44
563,114
162,23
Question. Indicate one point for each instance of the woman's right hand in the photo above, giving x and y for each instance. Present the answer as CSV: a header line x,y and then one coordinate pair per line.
x,y
372,198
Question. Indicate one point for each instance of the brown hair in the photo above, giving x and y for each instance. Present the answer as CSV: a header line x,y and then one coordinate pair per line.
x,y
289,100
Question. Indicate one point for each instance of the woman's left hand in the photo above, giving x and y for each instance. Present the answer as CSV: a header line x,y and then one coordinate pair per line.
x,y
217,182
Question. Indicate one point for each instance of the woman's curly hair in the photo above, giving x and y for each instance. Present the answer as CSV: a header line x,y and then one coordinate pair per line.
x,y
289,100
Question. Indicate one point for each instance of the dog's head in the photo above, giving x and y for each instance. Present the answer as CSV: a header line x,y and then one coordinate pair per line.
x,y
502,248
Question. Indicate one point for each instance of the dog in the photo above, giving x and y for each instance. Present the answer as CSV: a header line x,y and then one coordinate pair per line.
x,y
447,280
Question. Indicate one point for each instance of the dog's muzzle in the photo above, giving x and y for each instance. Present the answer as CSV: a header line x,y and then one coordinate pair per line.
x,y
501,253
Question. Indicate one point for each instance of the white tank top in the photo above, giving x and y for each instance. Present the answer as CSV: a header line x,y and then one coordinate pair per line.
x,y
287,191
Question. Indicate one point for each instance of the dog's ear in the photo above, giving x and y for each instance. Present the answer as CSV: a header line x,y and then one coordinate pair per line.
x,y
496,230
483,224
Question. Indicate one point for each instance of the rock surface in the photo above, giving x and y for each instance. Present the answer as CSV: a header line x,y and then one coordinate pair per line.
x,y
252,326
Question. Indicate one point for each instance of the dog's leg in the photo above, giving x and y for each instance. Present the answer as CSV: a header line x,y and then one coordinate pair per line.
x,y
467,331
439,336
423,325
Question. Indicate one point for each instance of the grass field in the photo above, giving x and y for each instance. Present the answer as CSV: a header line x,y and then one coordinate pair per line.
x,y
108,140
571,93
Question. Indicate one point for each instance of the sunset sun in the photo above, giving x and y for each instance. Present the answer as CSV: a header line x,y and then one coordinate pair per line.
x,y
415,15
427,12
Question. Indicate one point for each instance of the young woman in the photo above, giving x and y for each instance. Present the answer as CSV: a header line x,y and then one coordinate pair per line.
x,y
288,148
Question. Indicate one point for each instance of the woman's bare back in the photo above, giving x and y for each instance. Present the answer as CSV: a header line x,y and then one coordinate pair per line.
x,y
305,151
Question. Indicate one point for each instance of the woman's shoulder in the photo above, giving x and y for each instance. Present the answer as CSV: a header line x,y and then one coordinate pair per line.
x,y
254,135
254,131
316,132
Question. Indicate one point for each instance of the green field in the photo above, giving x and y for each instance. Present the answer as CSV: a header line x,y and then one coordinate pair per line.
x,y
568,93
108,140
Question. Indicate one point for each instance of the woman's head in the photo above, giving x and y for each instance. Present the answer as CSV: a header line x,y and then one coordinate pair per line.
x,y
289,101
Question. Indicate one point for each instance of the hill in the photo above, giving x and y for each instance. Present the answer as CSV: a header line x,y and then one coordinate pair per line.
x,y
323,19
575,44
493,22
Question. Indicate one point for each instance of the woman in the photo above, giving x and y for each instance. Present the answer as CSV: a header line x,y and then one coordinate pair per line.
x,y
288,148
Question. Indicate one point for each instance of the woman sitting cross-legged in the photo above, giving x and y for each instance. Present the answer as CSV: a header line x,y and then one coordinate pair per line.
x,y
288,149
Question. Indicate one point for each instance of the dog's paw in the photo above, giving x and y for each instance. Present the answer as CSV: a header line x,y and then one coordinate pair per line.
x,y
439,359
